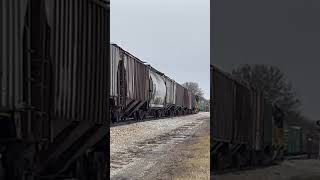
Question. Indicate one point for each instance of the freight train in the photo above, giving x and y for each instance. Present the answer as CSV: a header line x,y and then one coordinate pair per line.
x,y
54,75
139,91
299,141
246,130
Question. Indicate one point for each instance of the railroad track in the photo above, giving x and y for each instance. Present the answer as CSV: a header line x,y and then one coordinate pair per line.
x,y
149,118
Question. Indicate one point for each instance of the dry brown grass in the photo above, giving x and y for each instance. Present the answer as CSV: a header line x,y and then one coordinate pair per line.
x,y
197,166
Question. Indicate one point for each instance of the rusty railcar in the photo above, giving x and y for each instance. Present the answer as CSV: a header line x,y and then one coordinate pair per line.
x,y
115,70
136,81
242,111
262,118
185,99
129,84
242,124
135,84
54,88
269,126
223,107
179,97
12,53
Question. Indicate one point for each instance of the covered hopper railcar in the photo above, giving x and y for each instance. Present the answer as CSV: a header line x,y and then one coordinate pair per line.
x,y
158,93
129,89
244,124
139,91
54,89
170,96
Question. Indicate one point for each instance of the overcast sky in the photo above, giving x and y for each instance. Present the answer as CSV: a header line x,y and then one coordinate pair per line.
x,y
172,35
285,33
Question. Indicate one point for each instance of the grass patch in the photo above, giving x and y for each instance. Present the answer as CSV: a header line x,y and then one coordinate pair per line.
x,y
196,161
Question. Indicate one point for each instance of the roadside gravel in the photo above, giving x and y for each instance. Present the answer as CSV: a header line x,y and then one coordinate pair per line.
x,y
137,149
126,135
288,170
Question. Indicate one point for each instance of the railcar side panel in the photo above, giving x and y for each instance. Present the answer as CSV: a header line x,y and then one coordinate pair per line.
x,y
185,98
78,35
170,96
114,70
54,83
158,90
14,62
189,100
223,110
242,119
268,127
179,95
137,78
12,21
258,113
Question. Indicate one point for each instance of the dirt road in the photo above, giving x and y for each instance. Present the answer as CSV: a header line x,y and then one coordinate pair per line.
x,y
172,148
287,170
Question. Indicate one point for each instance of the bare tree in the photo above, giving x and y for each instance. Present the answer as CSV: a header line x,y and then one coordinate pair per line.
x,y
194,88
273,82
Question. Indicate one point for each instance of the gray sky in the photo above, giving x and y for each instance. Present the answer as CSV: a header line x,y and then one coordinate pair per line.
x,y
285,33
171,35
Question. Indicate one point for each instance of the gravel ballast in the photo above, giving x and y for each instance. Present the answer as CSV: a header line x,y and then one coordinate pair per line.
x,y
136,148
